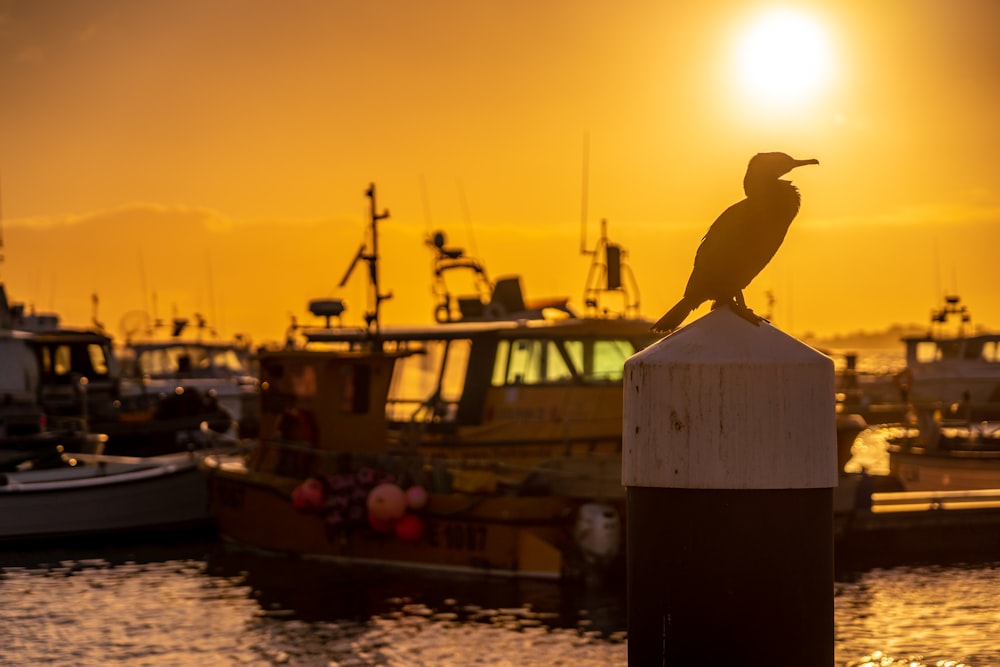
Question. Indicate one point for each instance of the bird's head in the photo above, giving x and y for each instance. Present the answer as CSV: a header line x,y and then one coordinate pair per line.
x,y
769,167
774,165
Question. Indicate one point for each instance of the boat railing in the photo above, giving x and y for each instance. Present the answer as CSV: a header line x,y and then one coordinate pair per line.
x,y
910,501
489,476
406,410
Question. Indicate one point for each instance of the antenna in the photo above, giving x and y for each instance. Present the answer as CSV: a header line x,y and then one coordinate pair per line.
x,y
584,193
1,218
94,302
212,312
609,272
468,217
426,201
371,317
142,284
937,270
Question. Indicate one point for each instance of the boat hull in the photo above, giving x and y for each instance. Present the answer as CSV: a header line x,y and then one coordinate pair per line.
x,y
944,470
496,535
122,495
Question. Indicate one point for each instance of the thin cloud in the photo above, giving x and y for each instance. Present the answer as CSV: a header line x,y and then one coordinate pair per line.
x,y
87,34
30,54
136,212
921,214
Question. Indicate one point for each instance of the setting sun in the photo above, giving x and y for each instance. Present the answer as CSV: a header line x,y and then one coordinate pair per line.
x,y
783,57
212,157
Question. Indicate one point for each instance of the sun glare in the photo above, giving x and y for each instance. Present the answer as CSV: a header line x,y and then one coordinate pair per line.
x,y
783,57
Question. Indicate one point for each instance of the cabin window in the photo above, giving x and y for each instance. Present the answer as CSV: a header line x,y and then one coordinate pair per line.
x,y
927,351
989,352
609,359
599,360
530,362
98,360
500,364
549,361
228,362
526,363
434,377
156,363
62,362
45,360
168,361
453,379
556,368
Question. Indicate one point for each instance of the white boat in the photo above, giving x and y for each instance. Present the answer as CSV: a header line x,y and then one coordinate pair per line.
x,y
220,369
80,388
92,494
945,455
954,371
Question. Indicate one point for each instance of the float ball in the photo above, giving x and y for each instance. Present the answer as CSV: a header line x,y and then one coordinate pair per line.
x,y
386,502
416,497
410,528
309,495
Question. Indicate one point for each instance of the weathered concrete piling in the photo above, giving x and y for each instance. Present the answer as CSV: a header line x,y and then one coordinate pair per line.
x,y
729,462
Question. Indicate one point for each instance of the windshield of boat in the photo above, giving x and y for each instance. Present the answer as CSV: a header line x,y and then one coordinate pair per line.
x,y
60,361
190,361
539,361
969,349
429,383
431,378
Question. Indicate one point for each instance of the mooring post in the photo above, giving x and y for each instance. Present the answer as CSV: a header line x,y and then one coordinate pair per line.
x,y
730,460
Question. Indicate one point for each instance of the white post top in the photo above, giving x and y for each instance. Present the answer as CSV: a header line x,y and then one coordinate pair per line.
x,y
727,404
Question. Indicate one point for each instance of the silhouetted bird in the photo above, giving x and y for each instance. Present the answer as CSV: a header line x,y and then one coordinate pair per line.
x,y
742,240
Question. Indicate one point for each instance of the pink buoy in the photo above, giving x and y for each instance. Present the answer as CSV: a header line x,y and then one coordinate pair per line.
x,y
410,528
386,502
416,497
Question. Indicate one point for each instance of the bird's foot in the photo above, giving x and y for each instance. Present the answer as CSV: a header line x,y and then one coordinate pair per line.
x,y
747,314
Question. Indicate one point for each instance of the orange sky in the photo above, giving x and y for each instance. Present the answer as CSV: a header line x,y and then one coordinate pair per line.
x,y
216,153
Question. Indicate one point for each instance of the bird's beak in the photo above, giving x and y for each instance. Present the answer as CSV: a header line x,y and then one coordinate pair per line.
x,y
799,163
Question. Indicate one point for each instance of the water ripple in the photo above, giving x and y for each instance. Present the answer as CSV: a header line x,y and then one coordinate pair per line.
x,y
217,610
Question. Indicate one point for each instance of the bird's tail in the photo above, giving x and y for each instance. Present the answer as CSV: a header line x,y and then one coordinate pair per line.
x,y
675,316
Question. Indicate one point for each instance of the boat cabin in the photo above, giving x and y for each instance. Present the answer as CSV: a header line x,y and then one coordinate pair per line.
x,y
180,359
505,383
970,349
79,375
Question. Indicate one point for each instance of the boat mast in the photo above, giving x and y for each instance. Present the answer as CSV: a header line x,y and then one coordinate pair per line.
x,y
377,297
6,321
1,220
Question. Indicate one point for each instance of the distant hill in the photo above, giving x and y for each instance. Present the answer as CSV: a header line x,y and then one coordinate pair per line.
x,y
886,339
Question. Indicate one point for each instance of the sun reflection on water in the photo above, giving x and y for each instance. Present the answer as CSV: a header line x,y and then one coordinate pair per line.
x,y
223,611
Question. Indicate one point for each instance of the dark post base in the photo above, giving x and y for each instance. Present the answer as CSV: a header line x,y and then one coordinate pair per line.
x,y
730,577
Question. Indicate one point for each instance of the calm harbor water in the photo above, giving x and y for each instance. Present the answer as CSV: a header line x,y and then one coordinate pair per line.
x,y
198,603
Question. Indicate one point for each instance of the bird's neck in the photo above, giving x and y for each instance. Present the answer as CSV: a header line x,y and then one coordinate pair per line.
x,y
776,192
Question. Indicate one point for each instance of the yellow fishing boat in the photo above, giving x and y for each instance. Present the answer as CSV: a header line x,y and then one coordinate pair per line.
x,y
488,442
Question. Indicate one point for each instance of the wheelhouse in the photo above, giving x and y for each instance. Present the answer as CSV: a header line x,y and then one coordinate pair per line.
x,y
506,381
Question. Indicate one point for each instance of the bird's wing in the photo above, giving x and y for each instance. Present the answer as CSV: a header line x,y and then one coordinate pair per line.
x,y
717,262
